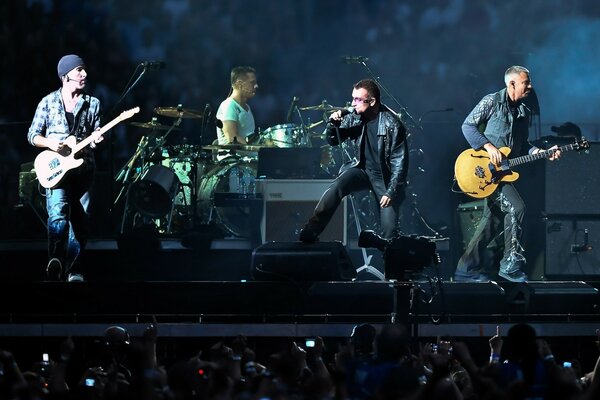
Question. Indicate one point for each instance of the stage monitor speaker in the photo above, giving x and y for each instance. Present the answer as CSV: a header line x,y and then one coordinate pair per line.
x,y
572,184
457,298
551,298
289,203
572,248
301,262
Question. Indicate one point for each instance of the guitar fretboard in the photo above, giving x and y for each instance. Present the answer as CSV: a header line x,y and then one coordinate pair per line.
x,y
543,154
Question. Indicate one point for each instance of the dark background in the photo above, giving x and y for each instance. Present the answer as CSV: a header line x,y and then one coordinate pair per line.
x,y
430,55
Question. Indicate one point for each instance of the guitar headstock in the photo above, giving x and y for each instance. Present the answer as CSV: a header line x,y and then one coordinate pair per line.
x,y
129,113
581,144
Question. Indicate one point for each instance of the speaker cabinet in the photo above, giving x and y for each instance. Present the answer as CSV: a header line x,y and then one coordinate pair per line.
x,y
572,248
458,298
301,262
572,184
468,215
551,298
289,203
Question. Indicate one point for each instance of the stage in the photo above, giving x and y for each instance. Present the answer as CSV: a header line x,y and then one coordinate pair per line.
x,y
212,292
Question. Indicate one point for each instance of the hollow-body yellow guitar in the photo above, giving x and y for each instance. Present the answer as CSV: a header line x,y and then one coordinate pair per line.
x,y
51,166
477,177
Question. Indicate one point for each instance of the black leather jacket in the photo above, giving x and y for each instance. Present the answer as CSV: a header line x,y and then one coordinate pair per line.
x,y
392,145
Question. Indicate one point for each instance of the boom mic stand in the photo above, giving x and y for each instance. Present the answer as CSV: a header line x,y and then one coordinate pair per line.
x,y
403,111
128,87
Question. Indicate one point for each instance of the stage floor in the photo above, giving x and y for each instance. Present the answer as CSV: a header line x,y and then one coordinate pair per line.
x,y
210,291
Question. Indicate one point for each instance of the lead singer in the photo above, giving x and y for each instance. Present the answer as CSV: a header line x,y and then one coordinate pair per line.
x,y
379,139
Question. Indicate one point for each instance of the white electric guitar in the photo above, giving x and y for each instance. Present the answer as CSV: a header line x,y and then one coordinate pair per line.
x,y
51,166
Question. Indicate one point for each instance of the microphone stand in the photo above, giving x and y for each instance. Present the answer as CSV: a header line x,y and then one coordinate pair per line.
x,y
305,141
127,168
205,121
128,87
415,209
403,109
164,138
415,124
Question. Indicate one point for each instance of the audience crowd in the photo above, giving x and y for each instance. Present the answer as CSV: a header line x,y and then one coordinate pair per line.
x,y
372,363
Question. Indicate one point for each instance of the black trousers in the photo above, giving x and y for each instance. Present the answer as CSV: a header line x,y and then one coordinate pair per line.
x,y
351,181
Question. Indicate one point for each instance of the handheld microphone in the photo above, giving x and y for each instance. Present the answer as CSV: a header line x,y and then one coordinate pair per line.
x,y
153,64
207,110
343,111
347,110
291,110
354,59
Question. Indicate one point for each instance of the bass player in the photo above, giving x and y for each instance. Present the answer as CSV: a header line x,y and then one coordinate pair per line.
x,y
500,119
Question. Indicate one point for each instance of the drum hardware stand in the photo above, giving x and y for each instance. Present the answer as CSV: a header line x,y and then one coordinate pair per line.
x,y
141,150
123,174
160,141
128,87
145,218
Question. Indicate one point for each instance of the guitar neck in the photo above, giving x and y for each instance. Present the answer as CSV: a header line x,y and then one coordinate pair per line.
x,y
81,145
539,155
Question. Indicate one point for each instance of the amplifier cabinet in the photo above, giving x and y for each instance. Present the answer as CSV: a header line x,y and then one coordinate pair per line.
x,y
289,203
572,185
572,248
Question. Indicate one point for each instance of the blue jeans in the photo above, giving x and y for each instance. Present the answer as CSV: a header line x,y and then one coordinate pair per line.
x,y
68,219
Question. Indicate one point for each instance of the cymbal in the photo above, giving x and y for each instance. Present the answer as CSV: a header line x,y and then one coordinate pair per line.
x,y
176,112
234,147
157,126
324,106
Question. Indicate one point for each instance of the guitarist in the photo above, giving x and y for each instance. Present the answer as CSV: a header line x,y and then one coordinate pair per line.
x,y
62,113
500,119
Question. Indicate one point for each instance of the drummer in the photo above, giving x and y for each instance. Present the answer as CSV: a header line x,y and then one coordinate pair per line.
x,y
235,121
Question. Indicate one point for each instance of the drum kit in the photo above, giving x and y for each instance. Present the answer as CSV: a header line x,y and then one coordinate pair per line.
x,y
176,187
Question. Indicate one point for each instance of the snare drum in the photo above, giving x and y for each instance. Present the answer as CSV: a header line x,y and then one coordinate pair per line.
x,y
285,135
230,180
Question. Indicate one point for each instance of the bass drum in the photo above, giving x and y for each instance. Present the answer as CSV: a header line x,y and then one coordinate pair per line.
x,y
183,160
228,182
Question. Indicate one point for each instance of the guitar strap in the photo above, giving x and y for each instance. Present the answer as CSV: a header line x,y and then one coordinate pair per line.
x,y
79,125
79,132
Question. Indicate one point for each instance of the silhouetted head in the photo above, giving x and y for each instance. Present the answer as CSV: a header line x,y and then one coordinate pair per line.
x,y
362,337
520,343
392,343
116,337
